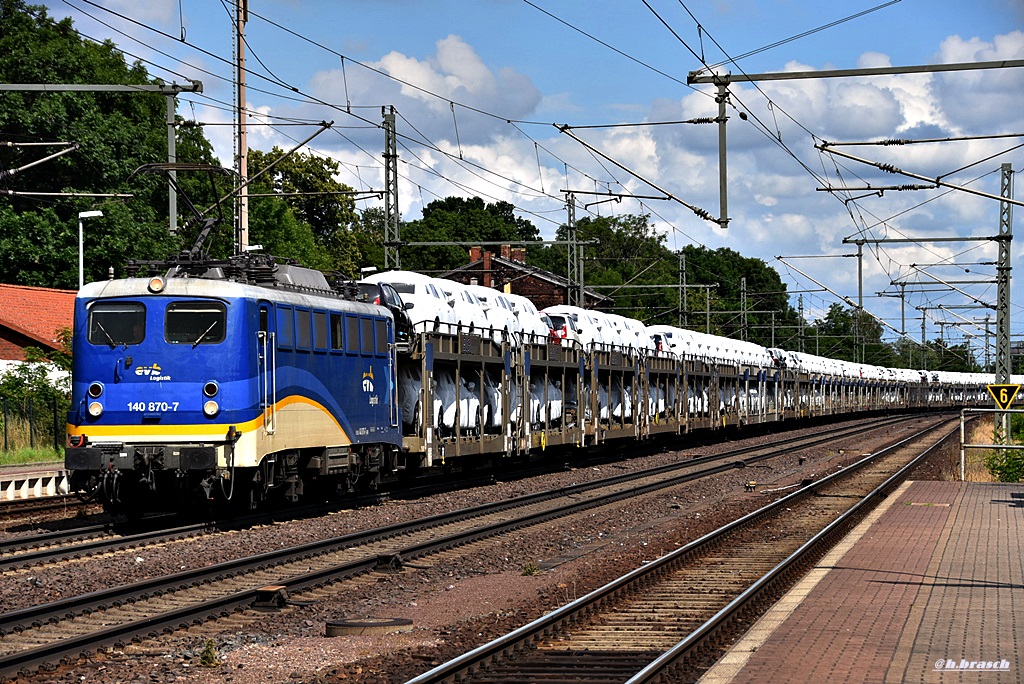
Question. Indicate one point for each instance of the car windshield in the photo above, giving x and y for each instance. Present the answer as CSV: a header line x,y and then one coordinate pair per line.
x,y
116,323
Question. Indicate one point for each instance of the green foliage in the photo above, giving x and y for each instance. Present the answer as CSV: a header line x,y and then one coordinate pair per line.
x,y
35,406
632,252
273,224
323,217
23,456
208,658
117,132
1005,465
368,233
847,334
530,569
32,379
456,219
1017,428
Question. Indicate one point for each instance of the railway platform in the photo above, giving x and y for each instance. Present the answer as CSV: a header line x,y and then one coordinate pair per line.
x,y
928,588
32,480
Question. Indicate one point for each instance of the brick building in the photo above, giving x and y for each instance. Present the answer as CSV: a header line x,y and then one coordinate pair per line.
x,y
509,268
32,317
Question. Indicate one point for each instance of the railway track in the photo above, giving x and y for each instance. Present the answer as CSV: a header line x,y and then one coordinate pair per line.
x,y
46,634
660,622
110,538
60,503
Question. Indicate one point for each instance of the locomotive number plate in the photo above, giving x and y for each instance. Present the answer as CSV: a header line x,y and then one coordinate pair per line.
x,y
152,406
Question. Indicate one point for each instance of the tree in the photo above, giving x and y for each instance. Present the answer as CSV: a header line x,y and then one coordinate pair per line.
x,y
368,233
457,219
117,132
310,190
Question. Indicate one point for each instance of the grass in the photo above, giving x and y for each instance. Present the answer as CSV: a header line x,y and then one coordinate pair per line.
x,y
19,452
25,456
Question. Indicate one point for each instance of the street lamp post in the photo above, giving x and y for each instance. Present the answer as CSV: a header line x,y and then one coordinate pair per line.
x,y
81,252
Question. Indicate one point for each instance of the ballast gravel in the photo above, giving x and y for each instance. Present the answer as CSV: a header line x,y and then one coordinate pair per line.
x,y
456,600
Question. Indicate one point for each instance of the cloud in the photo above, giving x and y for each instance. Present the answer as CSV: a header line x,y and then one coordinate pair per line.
x,y
424,90
982,101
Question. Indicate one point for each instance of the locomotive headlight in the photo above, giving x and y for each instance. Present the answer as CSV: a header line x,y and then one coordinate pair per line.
x,y
95,389
95,409
211,388
156,284
210,408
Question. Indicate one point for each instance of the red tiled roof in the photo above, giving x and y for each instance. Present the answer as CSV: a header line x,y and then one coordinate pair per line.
x,y
37,312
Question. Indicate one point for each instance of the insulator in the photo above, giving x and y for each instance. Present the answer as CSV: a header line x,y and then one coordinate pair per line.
x,y
889,168
704,214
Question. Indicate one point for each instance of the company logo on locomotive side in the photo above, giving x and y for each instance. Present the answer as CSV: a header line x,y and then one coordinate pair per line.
x,y
154,372
368,387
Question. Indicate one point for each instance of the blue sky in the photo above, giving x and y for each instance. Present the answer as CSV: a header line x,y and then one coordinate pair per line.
x,y
498,60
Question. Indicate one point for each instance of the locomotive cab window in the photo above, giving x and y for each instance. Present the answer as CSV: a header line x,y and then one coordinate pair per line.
x,y
117,323
195,323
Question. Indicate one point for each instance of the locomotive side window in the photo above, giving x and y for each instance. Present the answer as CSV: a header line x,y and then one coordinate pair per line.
x,y
352,334
382,335
367,335
320,330
116,323
302,329
285,327
195,323
337,332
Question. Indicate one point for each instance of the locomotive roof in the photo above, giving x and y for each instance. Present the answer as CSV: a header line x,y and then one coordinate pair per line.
x,y
253,275
222,289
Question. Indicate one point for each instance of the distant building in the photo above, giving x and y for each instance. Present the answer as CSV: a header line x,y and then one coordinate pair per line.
x,y
510,270
32,317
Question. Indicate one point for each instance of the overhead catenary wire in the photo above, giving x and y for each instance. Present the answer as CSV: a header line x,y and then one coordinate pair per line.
x,y
878,254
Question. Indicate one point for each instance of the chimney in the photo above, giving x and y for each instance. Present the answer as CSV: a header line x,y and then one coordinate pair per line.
x,y
474,254
506,252
519,255
487,269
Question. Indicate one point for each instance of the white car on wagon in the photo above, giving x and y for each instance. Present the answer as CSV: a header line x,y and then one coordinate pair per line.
x,y
430,309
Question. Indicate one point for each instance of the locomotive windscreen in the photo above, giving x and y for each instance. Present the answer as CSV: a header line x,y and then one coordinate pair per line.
x,y
195,323
116,323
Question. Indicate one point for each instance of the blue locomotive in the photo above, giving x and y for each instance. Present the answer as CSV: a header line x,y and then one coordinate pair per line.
x,y
240,380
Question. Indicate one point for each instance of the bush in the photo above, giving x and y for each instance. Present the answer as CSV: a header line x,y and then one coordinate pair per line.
x,y
34,398
208,658
1007,465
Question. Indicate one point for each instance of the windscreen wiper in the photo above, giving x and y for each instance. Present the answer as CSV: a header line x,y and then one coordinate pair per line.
x,y
110,339
205,333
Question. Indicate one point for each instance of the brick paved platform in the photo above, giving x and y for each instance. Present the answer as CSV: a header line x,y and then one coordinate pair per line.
x,y
930,588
